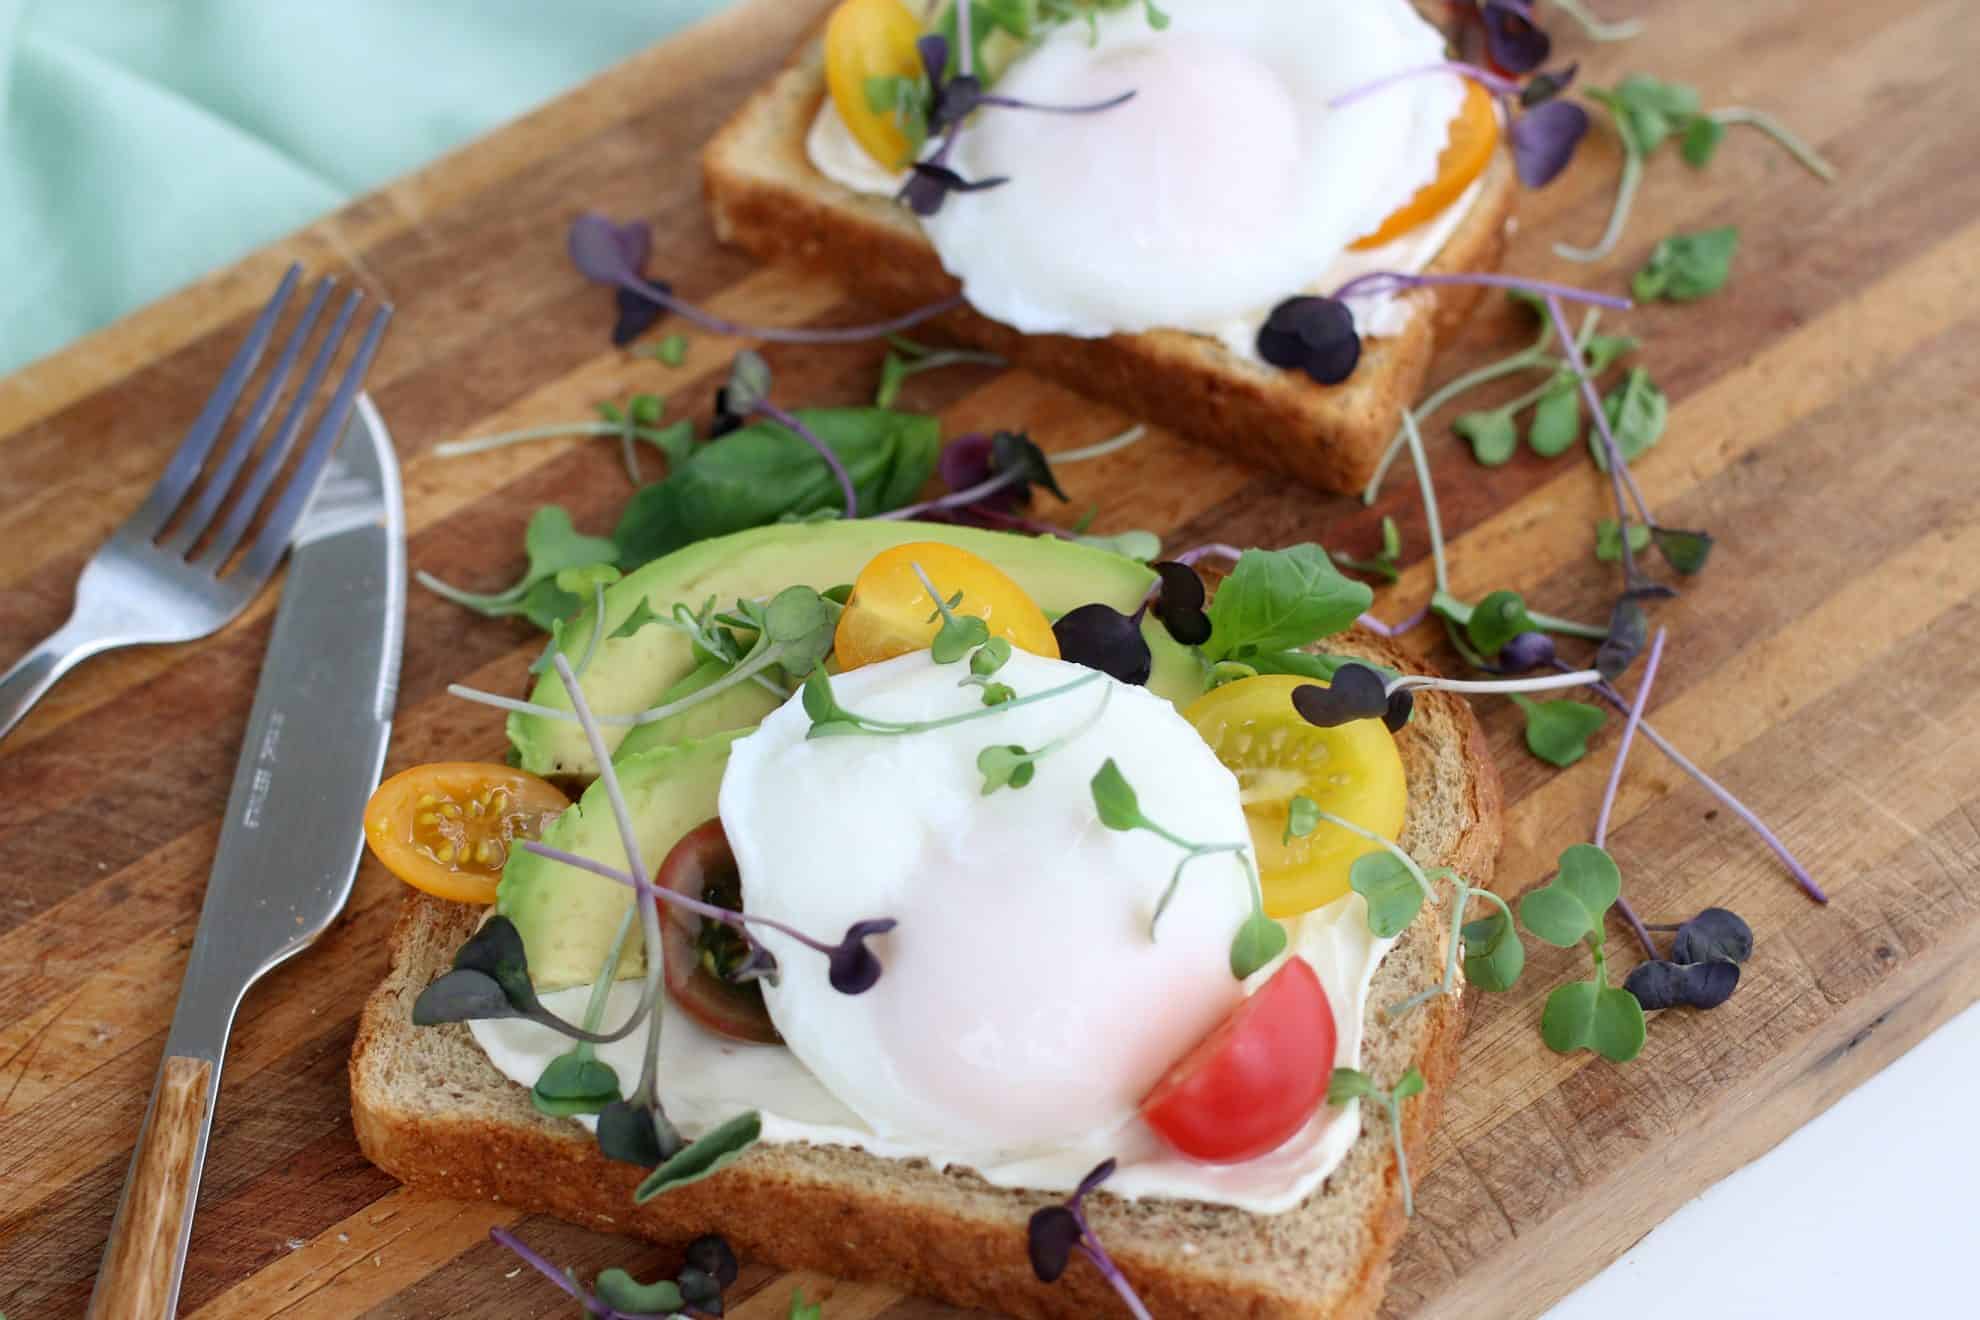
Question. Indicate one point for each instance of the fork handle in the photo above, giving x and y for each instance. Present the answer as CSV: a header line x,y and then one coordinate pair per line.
x,y
142,1264
34,673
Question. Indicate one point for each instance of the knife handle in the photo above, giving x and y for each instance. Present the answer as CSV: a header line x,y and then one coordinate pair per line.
x,y
140,1275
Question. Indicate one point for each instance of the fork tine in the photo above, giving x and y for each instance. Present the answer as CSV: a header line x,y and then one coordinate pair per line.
x,y
185,464
279,449
188,532
273,542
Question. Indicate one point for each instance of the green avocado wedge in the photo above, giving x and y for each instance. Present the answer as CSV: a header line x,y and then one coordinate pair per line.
x,y
568,918
636,672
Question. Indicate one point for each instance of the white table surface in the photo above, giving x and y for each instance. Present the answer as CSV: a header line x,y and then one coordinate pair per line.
x,y
1865,1212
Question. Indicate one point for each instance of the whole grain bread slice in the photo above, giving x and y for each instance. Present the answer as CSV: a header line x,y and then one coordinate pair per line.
x,y
432,1111
766,197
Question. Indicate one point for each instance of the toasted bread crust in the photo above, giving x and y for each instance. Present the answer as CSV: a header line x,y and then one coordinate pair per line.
x,y
765,196
431,1110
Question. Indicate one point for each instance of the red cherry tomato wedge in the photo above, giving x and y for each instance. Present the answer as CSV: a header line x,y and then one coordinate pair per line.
x,y
1255,1080
700,951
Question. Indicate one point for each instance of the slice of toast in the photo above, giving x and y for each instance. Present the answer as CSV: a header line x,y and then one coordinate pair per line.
x,y
766,197
433,1112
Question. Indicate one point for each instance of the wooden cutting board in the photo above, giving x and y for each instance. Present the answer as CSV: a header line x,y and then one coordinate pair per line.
x,y
1826,668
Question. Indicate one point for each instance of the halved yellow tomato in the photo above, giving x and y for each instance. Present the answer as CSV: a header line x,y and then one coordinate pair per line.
x,y
1352,771
1474,137
447,827
871,39
890,612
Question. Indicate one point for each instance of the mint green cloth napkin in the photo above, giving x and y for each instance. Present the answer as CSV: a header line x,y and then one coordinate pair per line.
x,y
145,142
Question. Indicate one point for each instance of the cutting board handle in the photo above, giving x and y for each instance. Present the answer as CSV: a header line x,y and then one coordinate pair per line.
x,y
140,1275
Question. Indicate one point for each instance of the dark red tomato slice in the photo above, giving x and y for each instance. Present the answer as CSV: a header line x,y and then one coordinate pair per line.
x,y
700,952
1255,1080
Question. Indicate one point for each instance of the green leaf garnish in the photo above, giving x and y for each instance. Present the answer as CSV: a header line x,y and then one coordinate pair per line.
x,y
1394,897
1281,600
706,1155
1353,1084
620,1291
1558,731
1687,267
1258,941
1493,434
1637,410
1496,620
1556,419
1302,817
1608,544
1386,564
1493,954
575,1083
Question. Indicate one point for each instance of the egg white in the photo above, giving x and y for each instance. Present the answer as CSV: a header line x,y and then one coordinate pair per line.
x,y
1226,184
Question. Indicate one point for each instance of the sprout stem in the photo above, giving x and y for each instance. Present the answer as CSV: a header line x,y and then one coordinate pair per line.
x,y
1490,81
1432,522
1796,146
1630,723
1595,28
1546,683
1632,179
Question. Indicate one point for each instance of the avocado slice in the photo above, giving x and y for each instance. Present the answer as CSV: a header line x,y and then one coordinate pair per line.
x,y
568,918
630,674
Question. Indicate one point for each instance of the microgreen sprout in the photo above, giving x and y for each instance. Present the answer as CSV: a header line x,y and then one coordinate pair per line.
x,y
1630,724
960,633
1357,692
1704,966
1592,25
1260,939
749,393
831,720
854,969
709,1268
552,546
984,663
1013,464
1353,1084
1647,112
1725,796
602,254
638,420
1385,563
1394,888
1544,129
1589,1014
906,358
1056,1231
1007,765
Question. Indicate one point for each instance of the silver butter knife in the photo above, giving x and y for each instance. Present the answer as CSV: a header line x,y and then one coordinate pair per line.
x,y
289,848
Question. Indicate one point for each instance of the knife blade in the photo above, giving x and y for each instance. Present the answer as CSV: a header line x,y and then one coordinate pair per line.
x,y
291,839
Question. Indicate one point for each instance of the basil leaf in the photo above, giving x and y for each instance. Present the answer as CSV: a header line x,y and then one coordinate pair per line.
x,y
762,473
706,1155
1281,600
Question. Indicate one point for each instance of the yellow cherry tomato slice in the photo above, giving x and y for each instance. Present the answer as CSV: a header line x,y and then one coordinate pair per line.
x,y
890,612
1474,137
1352,771
871,39
448,827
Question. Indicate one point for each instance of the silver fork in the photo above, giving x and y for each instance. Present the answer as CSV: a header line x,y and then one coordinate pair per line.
x,y
142,587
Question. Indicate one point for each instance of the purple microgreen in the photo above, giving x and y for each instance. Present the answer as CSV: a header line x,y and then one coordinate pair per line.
x,y
601,257
1179,603
1516,43
1397,281
1714,935
1314,335
1056,1231
850,960
636,1134
1630,724
1101,637
1212,550
1356,693
1659,984
1386,563
1723,794
1397,629
1496,83
1011,465
932,182
748,393
619,1296
603,251
1628,630
634,312
1526,651
1544,140
1544,87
